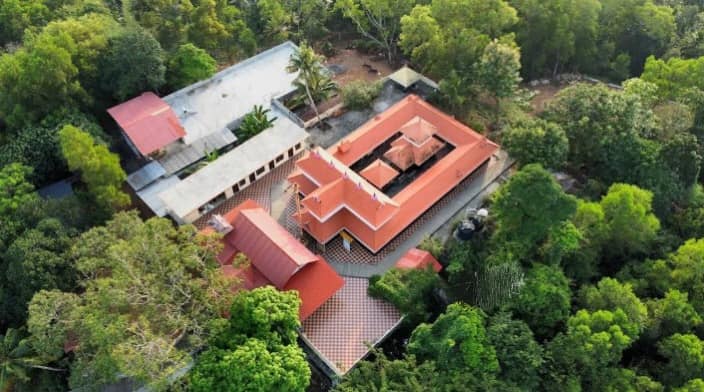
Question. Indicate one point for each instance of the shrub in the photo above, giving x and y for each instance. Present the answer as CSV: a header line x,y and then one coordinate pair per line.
x,y
359,94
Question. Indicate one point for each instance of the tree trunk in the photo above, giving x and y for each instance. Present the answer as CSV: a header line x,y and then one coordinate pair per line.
x,y
312,103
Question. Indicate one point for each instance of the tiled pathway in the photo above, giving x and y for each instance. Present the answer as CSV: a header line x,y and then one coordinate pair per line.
x,y
341,329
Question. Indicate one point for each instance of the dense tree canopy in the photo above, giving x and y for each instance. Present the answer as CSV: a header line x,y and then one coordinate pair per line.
x,y
151,293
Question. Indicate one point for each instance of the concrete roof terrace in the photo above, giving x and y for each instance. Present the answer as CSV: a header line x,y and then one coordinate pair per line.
x,y
212,105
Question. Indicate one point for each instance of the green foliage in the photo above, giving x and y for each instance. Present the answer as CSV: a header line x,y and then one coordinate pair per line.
x,y
38,146
685,355
17,15
266,314
451,35
378,21
671,314
152,293
16,360
360,95
544,301
556,34
610,294
432,245
15,190
529,205
695,385
393,375
498,70
35,261
251,367
254,122
188,65
628,215
537,141
313,83
38,79
100,169
411,292
136,50
593,343
257,349
520,356
590,220
456,341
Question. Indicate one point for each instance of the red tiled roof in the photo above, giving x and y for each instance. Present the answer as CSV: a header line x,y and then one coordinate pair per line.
x,y
277,258
373,218
315,283
418,130
418,259
148,121
379,173
270,248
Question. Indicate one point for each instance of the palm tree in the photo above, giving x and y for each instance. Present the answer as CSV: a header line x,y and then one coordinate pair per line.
x,y
16,359
312,78
255,121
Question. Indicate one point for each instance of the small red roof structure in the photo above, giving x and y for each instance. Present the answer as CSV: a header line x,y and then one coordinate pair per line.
x,y
418,259
148,121
276,258
408,135
379,173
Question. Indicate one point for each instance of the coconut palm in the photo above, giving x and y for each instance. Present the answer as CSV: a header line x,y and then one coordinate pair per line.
x,y
16,360
312,78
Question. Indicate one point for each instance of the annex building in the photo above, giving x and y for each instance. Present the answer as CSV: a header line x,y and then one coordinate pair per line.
x,y
191,157
275,256
375,182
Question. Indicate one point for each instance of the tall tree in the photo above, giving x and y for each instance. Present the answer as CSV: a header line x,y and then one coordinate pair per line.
x,y
257,349
152,293
529,205
188,65
685,355
35,261
544,302
17,15
520,356
536,141
498,72
100,169
610,294
133,63
450,35
456,341
38,79
628,214
557,34
378,21
311,77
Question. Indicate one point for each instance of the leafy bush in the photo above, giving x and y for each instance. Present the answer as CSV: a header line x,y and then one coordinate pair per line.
x,y
410,291
433,245
360,94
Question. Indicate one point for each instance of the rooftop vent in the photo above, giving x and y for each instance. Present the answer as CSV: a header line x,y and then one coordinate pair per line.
x,y
219,223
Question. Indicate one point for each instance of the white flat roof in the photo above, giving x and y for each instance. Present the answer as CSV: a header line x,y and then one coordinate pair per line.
x,y
211,105
149,195
208,182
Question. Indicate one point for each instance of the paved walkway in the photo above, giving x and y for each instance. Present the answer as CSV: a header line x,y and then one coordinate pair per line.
x,y
473,195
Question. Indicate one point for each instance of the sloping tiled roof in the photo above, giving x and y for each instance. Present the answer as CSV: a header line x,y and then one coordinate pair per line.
x,y
335,200
315,283
379,173
270,248
148,121
418,130
276,258
418,259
